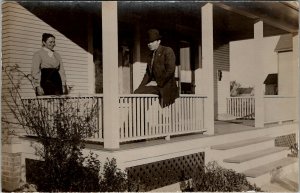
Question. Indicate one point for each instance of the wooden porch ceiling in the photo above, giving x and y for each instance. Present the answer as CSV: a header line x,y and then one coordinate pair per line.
x,y
232,20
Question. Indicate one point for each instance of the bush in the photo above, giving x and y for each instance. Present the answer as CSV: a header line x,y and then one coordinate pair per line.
x,y
214,178
60,127
112,178
80,178
294,150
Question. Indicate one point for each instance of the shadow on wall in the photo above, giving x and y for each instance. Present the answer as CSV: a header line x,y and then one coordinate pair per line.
x,y
69,18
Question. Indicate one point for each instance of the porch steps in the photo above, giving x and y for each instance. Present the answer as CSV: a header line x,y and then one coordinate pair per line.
x,y
257,158
250,160
253,155
266,173
266,168
236,144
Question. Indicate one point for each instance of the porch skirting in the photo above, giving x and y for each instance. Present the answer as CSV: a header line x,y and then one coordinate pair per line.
x,y
166,172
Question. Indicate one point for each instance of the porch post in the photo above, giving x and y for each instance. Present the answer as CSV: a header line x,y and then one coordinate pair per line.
x,y
91,65
208,66
110,74
296,73
259,79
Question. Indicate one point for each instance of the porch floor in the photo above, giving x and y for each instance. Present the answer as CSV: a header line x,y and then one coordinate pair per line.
x,y
221,128
225,127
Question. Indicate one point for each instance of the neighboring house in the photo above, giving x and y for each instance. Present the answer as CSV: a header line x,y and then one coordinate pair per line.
x,y
105,53
271,84
286,71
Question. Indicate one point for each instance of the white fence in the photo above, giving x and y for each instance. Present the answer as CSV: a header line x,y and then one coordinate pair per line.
x,y
141,116
241,107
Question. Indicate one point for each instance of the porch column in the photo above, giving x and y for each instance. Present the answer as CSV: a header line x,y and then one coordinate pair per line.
x,y
208,66
110,74
136,57
91,65
259,75
296,73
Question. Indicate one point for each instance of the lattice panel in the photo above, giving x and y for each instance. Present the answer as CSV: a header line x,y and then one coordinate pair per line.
x,y
158,174
285,140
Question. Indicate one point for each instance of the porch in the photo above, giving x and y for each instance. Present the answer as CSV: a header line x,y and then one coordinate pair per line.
x,y
152,140
142,158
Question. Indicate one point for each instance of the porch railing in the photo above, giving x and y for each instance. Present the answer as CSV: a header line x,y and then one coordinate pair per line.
x,y
82,104
241,107
279,108
141,116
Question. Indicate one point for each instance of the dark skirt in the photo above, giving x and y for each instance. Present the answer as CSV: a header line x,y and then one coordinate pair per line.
x,y
51,81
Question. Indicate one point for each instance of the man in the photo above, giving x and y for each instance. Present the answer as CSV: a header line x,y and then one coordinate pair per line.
x,y
159,77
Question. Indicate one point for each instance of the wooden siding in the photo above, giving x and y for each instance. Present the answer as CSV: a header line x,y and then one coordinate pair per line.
x,y
221,62
21,37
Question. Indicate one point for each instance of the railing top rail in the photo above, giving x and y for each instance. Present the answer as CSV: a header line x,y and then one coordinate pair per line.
x,y
241,97
64,96
101,95
153,95
278,96
265,96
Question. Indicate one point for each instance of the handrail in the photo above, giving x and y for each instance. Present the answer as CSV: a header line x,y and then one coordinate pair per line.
x,y
154,95
63,96
278,96
101,95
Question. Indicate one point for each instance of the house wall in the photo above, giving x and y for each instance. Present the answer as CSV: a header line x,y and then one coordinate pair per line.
x,y
22,32
21,37
223,93
285,71
221,88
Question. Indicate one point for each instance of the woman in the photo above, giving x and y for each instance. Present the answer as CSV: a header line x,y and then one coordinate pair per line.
x,y
48,73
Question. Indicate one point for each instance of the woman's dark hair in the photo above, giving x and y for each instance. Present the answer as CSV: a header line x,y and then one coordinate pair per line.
x,y
46,36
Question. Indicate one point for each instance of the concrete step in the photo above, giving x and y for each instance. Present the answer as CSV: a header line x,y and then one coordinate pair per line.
x,y
286,183
264,174
241,143
244,162
255,145
253,155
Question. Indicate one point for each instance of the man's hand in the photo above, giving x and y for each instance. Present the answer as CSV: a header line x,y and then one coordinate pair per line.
x,y
39,91
152,83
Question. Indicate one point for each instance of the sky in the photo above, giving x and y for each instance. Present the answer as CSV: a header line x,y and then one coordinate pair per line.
x,y
242,58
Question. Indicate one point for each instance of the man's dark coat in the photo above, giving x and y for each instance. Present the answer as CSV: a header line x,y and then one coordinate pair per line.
x,y
163,72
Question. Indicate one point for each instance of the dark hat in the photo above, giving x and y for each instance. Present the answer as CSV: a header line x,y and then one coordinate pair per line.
x,y
153,34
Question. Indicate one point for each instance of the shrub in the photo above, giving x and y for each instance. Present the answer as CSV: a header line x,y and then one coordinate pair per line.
x,y
214,178
294,150
81,178
60,127
112,178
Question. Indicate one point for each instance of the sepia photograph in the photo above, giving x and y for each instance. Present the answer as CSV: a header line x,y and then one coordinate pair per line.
x,y
150,96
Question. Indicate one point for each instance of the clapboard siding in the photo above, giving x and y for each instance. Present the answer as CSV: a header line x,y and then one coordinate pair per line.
x,y
221,58
221,62
21,40
27,52
21,37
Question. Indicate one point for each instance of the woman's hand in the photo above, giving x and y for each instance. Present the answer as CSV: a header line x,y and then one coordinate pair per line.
x,y
65,89
39,91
